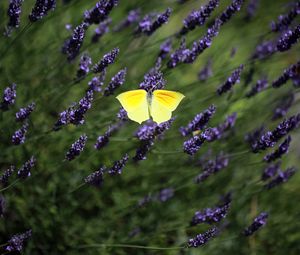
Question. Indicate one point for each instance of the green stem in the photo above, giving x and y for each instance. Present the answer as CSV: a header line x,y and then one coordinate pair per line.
x,y
10,185
102,245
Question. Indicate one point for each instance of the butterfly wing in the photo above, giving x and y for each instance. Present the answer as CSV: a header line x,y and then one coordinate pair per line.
x,y
136,105
163,103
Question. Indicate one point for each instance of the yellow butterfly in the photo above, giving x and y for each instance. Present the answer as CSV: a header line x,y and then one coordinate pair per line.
x,y
159,104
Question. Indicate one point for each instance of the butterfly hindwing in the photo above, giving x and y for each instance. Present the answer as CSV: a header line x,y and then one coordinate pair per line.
x,y
163,103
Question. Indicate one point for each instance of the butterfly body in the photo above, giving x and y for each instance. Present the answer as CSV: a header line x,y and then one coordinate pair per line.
x,y
159,104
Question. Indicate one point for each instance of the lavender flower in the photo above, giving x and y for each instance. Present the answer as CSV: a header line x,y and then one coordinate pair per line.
x,y
153,80
41,9
199,122
16,242
5,176
258,87
148,26
102,141
212,167
288,39
102,29
118,165
199,17
282,109
282,177
2,205
99,12
284,21
72,45
264,49
24,171
133,17
145,200
122,114
231,80
14,13
231,10
95,178
84,66
254,136
106,60
24,113
288,73
20,135
76,148
115,82
270,171
211,215
192,145
206,71
252,8
258,222
97,82
282,149
270,138
165,194
165,49
202,239
143,150
9,96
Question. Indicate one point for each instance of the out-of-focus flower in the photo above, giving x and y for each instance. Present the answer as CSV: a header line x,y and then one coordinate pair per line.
x,y
102,141
199,122
282,109
133,17
258,87
102,29
270,171
116,82
252,8
142,150
288,73
281,178
20,135
16,242
253,136
108,59
41,9
288,39
24,171
165,194
284,21
145,200
206,71
234,7
202,239
5,176
150,23
96,83
95,178
72,45
118,166
258,222
282,149
165,48
9,96
264,49
2,205
99,12
199,17
231,80
76,148
84,66
24,113
14,14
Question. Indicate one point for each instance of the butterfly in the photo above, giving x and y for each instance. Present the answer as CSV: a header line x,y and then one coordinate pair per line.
x,y
159,104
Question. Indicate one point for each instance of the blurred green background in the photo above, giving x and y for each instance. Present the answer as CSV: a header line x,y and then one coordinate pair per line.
x,y
66,222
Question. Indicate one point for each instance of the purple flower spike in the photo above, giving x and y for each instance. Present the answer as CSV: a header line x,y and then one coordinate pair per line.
x,y
97,82
14,13
258,87
153,80
199,17
148,26
282,177
231,10
202,239
99,12
72,45
165,194
258,222
96,178
282,109
115,82
122,114
252,8
5,176
264,49
76,148
192,145
20,135
106,60
288,39
231,80
206,71
84,66
16,242
270,171
284,21
165,49
9,96
24,171
102,29
288,73
253,136
41,9
199,122
143,150
133,17
24,113
102,141
118,166
282,149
